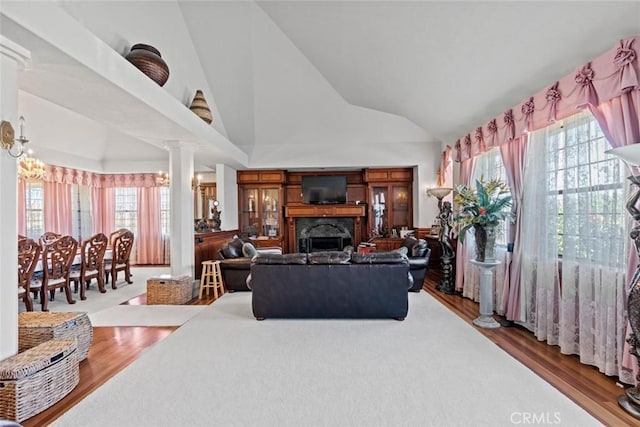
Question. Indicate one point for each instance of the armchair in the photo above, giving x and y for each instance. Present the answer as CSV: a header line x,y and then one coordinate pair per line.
x,y
418,253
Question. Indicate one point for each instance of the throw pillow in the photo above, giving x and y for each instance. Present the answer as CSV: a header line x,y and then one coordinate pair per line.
x,y
248,250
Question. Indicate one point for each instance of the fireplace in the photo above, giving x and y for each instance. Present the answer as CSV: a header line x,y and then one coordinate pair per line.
x,y
323,234
315,244
323,227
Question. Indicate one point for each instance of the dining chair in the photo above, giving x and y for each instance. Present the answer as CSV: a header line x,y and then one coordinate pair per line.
x,y
120,253
112,239
28,256
91,265
48,237
57,258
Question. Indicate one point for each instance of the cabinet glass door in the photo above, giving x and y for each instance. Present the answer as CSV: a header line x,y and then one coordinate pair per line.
x,y
379,211
270,212
400,208
250,212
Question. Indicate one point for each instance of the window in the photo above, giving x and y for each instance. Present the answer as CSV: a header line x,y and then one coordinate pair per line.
x,y
81,212
489,166
165,225
126,209
583,190
588,186
34,200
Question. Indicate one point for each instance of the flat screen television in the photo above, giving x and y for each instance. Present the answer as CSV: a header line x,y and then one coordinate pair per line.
x,y
324,189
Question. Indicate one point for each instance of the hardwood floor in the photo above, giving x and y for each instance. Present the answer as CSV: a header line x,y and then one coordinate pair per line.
x,y
584,384
115,348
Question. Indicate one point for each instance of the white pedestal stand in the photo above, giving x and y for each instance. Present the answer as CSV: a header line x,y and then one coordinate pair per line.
x,y
486,320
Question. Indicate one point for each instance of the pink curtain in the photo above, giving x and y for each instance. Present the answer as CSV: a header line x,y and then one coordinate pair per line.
x,y
599,82
150,245
513,157
466,172
445,166
22,207
619,119
57,208
103,209
74,176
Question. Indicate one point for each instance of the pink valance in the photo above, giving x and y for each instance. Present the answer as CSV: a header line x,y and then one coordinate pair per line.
x,y
606,77
64,175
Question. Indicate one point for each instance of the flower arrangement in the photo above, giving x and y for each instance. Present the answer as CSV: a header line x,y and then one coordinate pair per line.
x,y
482,206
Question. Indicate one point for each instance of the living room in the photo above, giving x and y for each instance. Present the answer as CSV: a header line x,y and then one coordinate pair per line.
x,y
278,101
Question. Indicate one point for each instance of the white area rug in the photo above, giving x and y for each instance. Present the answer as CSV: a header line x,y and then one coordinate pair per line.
x,y
225,368
96,301
145,315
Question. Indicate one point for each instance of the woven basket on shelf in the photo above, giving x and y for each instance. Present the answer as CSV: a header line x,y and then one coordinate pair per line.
x,y
35,327
36,379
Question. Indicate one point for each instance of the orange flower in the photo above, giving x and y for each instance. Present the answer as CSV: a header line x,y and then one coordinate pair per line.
x,y
482,210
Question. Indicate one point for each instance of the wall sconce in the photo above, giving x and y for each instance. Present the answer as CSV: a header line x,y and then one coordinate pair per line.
x,y
439,193
162,178
195,182
9,141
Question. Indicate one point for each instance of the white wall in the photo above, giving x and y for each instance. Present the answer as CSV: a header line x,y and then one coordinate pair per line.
x,y
65,138
301,120
159,24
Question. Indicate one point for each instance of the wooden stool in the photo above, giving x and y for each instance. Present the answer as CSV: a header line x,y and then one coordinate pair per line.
x,y
211,278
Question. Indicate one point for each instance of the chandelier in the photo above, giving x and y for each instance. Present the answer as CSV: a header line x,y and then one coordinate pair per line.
x,y
31,168
162,178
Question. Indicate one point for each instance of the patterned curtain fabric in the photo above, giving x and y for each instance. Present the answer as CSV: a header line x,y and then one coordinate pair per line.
x,y
573,261
466,172
484,167
607,77
619,119
73,176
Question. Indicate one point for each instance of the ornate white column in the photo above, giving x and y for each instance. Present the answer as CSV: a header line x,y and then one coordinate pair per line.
x,y
181,175
227,195
12,58
486,320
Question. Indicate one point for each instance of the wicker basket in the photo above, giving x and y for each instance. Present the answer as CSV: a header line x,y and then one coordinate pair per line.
x,y
166,289
36,379
36,327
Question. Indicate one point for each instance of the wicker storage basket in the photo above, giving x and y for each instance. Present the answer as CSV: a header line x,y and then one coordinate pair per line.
x,y
36,379
166,289
36,327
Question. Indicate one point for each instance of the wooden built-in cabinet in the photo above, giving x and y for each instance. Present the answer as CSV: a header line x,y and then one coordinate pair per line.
x,y
379,200
206,193
390,200
260,201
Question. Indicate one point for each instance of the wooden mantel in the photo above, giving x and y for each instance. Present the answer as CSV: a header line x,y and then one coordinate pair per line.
x,y
293,211
315,211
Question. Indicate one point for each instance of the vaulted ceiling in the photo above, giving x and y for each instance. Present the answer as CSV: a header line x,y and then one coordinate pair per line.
x,y
292,82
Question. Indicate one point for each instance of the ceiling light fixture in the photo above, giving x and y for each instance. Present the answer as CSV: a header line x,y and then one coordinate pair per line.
x,y
13,145
162,178
31,168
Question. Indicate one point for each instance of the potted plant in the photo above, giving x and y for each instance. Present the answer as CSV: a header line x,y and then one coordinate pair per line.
x,y
482,207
